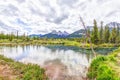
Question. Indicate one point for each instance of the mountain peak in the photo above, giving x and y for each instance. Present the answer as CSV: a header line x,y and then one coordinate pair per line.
x,y
60,32
54,32
113,24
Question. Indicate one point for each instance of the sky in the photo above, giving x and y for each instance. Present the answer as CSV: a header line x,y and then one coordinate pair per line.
x,y
44,16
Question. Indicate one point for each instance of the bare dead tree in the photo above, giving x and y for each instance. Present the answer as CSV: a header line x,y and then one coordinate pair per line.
x,y
88,36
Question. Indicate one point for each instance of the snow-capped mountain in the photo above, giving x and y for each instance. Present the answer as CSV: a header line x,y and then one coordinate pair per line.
x,y
113,24
64,33
56,34
53,34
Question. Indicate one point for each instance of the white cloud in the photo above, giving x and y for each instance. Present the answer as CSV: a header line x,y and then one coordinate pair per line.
x,y
43,16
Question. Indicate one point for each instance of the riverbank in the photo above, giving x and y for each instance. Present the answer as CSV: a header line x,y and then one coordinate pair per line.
x,y
11,70
65,42
105,67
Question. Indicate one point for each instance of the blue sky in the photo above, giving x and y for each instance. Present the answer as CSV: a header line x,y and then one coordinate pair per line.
x,y
43,16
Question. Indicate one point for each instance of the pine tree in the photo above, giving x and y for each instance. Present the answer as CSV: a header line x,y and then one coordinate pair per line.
x,y
95,39
118,30
101,33
113,35
118,35
11,36
106,34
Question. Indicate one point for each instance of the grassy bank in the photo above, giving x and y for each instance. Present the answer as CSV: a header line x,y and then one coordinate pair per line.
x,y
11,70
105,67
66,42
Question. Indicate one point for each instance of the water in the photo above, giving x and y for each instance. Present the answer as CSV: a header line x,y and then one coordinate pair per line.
x,y
59,61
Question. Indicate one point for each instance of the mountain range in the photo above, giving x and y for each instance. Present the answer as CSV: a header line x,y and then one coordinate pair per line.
x,y
53,34
113,24
60,34
76,34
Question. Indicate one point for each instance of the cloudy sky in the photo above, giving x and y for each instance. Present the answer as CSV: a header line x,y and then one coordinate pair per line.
x,y
43,16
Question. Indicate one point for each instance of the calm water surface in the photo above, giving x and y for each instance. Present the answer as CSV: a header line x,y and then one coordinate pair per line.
x,y
72,61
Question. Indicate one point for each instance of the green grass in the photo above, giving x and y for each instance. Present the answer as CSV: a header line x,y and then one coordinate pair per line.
x,y
105,67
66,42
24,71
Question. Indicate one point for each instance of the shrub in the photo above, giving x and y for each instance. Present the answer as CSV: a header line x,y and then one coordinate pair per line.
x,y
105,73
94,66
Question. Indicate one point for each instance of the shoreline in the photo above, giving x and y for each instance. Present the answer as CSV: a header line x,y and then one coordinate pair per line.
x,y
81,45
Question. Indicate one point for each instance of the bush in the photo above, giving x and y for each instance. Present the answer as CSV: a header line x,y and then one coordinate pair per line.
x,y
94,66
112,58
100,69
105,73
33,72
98,60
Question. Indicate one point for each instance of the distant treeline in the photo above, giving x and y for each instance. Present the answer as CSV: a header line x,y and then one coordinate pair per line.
x,y
12,36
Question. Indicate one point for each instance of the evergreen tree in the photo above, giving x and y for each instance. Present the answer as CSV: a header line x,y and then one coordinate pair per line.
x,y
113,35
2,35
118,30
106,34
95,39
11,36
101,33
118,35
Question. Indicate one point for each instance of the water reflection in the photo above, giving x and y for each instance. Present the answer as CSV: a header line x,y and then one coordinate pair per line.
x,y
76,60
